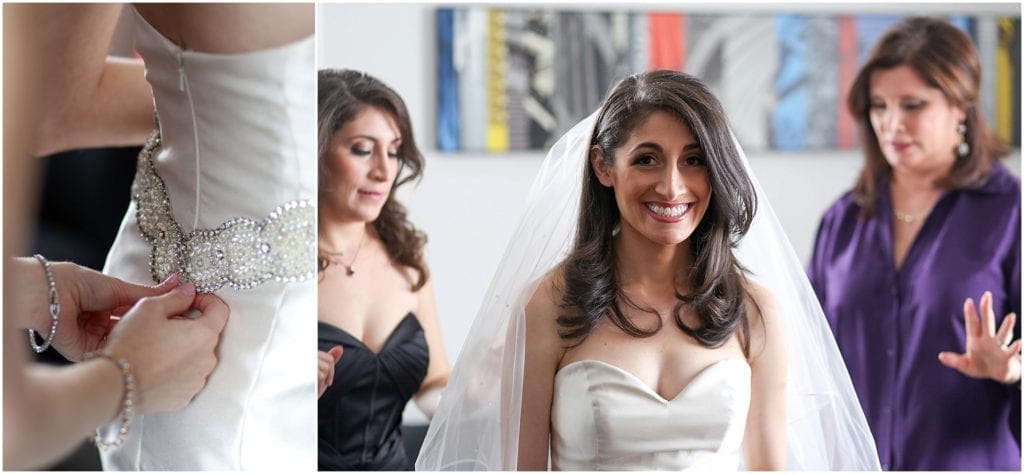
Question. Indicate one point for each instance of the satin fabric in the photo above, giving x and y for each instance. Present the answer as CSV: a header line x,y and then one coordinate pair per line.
x,y
891,324
604,418
360,414
238,132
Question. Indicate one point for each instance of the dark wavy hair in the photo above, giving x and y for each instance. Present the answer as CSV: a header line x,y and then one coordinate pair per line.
x,y
341,95
717,279
946,59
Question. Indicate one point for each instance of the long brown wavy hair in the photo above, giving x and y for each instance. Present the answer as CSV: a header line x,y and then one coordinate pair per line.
x,y
718,296
341,95
945,58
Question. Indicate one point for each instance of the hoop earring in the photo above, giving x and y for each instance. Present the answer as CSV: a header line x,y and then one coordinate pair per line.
x,y
962,149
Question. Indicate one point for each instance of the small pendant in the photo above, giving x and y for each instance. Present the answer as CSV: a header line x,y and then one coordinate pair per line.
x,y
350,270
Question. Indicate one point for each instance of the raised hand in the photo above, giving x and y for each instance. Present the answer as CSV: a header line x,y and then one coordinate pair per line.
x,y
989,353
326,362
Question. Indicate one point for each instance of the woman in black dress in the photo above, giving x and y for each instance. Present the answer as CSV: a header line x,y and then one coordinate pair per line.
x,y
379,337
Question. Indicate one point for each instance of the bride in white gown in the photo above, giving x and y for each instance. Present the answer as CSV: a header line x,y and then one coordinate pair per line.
x,y
675,331
223,196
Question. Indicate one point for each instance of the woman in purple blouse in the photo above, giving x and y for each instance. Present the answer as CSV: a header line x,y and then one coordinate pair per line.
x,y
932,223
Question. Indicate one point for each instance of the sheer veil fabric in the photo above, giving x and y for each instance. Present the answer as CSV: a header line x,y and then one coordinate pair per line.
x,y
476,426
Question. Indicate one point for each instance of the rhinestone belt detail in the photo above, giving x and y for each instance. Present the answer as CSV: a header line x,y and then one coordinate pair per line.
x,y
241,253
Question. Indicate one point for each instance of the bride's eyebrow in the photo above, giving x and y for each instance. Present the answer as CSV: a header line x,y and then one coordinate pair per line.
x,y
652,145
658,148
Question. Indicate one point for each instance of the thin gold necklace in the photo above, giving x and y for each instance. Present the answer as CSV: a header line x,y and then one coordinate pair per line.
x,y
350,268
909,218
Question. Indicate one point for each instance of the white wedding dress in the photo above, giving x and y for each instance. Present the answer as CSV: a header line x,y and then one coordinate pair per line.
x,y
227,199
604,418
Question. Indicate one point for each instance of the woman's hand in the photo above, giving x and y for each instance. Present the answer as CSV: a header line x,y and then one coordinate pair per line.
x,y
989,353
88,301
327,360
170,355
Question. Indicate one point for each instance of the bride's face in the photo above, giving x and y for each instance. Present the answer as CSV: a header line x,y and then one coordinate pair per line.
x,y
364,160
660,180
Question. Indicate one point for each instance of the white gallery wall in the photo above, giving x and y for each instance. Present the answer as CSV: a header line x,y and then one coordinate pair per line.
x,y
469,204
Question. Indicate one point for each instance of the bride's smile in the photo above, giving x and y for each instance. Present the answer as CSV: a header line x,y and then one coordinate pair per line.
x,y
668,212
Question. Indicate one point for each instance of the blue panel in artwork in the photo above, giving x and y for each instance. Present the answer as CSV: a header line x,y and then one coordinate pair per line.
x,y
447,83
869,29
966,24
790,115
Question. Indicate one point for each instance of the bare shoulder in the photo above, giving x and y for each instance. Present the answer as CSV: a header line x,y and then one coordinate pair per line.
x,y
411,276
762,305
766,333
541,317
426,300
546,300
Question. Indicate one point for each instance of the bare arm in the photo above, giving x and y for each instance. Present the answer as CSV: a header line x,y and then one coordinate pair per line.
x,y
81,397
47,411
765,438
88,99
439,369
544,350
35,394
37,397
51,409
33,397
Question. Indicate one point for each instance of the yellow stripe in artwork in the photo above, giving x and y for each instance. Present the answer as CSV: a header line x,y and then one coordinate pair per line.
x,y
497,107
1004,80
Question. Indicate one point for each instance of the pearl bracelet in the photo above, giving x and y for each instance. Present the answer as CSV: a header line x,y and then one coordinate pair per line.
x,y
54,309
128,402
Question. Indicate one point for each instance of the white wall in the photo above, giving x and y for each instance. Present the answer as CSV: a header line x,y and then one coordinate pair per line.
x,y
468,204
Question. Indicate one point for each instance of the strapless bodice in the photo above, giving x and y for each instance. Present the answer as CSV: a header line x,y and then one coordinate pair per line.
x,y
232,125
604,418
360,414
237,152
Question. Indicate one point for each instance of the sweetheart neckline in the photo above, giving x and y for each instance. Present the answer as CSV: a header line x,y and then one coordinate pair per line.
x,y
647,388
387,340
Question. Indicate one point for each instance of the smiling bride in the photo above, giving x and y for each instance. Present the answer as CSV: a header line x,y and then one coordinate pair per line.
x,y
676,330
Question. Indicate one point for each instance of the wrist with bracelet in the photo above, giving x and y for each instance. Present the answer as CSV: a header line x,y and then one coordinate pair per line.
x,y
127,405
54,307
127,411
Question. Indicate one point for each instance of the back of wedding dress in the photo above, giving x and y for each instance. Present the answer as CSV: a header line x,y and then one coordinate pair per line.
x,y
237,162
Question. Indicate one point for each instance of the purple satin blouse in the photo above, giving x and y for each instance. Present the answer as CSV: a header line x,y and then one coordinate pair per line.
x,y
891,325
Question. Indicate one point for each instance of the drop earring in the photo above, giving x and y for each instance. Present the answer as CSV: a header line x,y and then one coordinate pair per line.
x,y
962,149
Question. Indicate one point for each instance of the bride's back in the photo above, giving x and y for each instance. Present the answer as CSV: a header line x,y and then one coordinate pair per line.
x,y
230,27
226,195
230,122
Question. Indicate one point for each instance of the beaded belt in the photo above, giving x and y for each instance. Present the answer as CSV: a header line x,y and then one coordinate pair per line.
x,y
241,253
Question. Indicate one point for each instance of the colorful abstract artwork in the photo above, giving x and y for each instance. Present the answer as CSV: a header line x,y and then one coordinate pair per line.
x,y
516,79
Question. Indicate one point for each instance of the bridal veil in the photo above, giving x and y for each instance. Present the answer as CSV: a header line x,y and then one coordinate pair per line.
x,y
476,426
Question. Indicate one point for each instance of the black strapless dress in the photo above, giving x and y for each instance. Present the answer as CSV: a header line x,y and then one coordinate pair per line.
x,y
360,414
